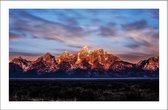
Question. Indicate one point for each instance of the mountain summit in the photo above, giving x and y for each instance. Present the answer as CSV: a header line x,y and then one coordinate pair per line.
x,y
84,63
151,64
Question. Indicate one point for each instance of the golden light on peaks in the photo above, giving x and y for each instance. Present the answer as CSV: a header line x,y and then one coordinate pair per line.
x,y
78,57
59,61
66,52
85,47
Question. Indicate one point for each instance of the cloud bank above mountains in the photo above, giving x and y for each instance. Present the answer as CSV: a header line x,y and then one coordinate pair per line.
x,y
132,34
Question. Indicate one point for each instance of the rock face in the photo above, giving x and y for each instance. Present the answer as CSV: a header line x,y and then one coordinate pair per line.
x,y
121,66
22,63
151,64
44,64
84,63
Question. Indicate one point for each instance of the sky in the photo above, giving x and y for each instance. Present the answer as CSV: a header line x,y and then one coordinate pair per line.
x,y
130,34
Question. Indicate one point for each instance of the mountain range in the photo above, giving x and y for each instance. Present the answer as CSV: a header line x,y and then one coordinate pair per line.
x,y
84,63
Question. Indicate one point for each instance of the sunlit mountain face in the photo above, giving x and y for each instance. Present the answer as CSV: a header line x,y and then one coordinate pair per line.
x,y
84,42
84,63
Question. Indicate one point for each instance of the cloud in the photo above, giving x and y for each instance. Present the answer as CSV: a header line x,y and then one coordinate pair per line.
x,y
154,13
140,38
108,30
137,25
57,51
75,46
146,40
14,36
117,31
134,44
25,54
28,23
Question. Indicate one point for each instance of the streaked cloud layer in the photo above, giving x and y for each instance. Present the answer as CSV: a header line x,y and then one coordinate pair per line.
x,y
132,34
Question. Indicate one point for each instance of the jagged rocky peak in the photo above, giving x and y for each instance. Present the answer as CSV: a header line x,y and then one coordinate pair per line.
x,y
47,56
84,50
96,60
19,60
151,64
100,50
65,54
44,64
154,59
23,63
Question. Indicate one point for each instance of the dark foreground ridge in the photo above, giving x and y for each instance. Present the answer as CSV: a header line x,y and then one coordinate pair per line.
x,y
112,90
83,64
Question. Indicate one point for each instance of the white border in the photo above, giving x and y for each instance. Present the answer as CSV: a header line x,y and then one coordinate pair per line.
x,y
5,5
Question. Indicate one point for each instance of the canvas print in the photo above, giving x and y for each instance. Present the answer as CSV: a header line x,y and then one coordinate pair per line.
x,y
83,54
